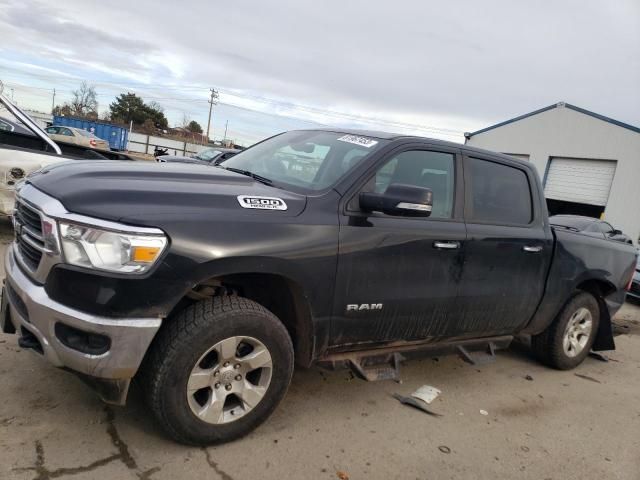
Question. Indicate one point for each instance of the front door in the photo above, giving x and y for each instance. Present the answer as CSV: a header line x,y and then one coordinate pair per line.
x,y
398,276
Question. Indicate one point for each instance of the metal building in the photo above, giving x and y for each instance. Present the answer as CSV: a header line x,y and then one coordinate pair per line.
x,y
589,163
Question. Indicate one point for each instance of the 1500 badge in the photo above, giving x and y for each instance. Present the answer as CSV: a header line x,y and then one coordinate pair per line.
x,y
261,203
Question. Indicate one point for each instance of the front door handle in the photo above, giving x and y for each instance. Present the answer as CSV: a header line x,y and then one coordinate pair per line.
x,y
446,245
532,249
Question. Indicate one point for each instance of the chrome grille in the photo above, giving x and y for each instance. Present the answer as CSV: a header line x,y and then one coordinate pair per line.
x,y
28,229
28,217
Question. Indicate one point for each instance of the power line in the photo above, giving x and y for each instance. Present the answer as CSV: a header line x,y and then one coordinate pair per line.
x,y
265,100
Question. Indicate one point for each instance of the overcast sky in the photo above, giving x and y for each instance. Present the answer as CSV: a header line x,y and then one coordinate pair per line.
x,y
430,67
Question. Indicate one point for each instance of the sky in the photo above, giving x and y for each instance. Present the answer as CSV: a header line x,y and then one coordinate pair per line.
x,y
432,68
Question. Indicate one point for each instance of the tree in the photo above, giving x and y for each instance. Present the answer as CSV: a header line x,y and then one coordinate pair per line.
x,y
148,126
194,127
62,110
84,102
128,107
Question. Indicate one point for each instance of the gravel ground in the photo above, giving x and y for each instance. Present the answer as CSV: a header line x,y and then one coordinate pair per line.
x,y
539,423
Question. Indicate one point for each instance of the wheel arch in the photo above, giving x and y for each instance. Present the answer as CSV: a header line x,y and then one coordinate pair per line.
x,y
600,289
275,290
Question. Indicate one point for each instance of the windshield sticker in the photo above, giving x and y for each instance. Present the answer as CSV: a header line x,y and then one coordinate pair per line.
x,y
356,140
261,203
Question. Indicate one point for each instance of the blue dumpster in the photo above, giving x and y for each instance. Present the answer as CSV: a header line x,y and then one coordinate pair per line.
x,y
115,135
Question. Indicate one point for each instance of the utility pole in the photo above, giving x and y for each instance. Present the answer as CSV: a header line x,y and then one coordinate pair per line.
x,y
213,100
53,101
226,124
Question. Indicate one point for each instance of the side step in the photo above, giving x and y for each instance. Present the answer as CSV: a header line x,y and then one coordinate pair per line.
x,y
478,358
387,370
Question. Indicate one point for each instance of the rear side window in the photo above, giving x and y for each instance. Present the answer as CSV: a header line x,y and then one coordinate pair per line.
x,y
499,193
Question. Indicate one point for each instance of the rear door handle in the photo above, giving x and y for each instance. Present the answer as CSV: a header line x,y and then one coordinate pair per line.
x,y
446,245
532,249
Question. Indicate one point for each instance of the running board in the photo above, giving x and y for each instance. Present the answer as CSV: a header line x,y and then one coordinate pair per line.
x,y
383,363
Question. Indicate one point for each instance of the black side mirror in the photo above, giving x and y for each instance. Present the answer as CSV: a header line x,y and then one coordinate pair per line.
x,y
615,232
399,199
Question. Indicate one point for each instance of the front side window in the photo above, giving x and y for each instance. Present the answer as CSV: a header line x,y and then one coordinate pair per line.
x,y
52,130
499,193
604,227
310,160
422,168
66,131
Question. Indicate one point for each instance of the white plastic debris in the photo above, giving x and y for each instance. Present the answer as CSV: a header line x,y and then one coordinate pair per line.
x,y
484,412
426,393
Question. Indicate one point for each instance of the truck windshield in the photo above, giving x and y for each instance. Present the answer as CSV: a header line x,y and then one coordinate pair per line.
x,y
311,160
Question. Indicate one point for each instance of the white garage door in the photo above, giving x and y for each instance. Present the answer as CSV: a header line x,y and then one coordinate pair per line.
x,y
580,181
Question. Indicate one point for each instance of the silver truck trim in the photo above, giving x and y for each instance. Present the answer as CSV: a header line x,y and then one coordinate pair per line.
x,y
130,337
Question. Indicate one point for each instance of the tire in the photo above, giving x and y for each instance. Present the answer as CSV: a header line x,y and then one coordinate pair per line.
x,y
191,345
556,346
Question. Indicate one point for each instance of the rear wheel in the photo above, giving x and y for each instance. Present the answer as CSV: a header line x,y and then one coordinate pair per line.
x,y
567,341
218,370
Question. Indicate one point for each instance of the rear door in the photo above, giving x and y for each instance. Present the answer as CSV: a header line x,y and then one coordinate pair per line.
x,y
397,276
508,249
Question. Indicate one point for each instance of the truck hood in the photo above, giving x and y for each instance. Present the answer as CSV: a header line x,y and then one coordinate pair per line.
x,y
139,191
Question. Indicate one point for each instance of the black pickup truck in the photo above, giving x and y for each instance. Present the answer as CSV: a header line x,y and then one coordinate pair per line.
x,y
340,248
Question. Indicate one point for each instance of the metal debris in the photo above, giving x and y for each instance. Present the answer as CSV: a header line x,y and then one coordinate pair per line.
x,y
484,412
587,377
415,403
444,449
599,356
426,393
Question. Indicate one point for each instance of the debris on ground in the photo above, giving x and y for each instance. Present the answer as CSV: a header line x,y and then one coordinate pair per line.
x,y
426,393
342,475
444,449
484,412
415,403
528,377
599,356
587,377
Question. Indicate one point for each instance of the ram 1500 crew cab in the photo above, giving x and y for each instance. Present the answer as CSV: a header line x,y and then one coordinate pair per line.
x,y
320,246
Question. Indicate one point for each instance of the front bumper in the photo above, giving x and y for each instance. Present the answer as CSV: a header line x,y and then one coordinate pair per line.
x,y
31,309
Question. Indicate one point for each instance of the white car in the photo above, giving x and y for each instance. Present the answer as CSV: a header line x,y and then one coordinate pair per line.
x,y
25,147
77,136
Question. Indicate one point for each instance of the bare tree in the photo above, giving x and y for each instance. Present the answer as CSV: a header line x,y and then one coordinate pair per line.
x,y
185,121
155,106
84,102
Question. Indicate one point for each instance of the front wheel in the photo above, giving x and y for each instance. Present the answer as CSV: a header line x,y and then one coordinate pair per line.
x,y
218,370
567,341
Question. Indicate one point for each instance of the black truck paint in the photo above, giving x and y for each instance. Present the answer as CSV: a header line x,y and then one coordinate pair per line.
x,y
330,256
342,280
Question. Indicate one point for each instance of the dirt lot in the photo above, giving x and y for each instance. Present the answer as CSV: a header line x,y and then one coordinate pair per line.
x,y
541,424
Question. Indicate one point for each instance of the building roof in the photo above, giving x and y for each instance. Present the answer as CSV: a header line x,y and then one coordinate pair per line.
x,y
468,135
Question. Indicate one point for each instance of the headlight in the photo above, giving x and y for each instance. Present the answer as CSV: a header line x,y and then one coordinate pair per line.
x,y
109,250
